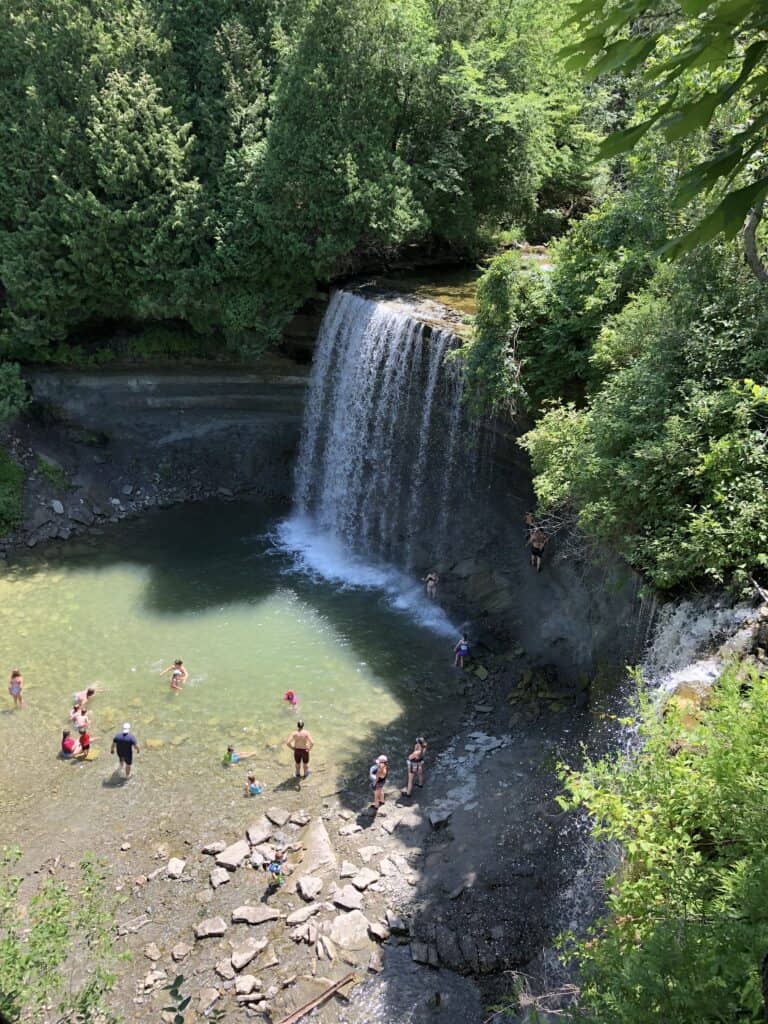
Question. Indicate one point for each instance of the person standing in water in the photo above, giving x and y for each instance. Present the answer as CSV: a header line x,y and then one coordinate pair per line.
x,y
300,743
15,686
431,580
178,673
461,650
124,743
537,540
83,696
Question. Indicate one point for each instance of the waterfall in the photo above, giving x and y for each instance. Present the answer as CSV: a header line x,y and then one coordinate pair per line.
x,y
384,432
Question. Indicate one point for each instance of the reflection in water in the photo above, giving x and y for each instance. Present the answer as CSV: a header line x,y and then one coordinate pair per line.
x,y
202,584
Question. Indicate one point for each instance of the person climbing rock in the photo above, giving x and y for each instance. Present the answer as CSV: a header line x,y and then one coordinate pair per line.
x,y
538,541
300,742
124,743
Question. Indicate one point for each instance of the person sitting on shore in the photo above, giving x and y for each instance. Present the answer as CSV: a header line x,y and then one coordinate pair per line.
x,y
233,756
252,786
68,745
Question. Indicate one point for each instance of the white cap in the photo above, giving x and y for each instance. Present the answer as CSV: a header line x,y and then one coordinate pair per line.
x,y
382,757
126,726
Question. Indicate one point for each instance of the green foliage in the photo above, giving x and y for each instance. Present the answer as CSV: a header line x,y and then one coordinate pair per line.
x,y
13,391
53,473
701,60
668,460
687,923
209,162
11,486
37,941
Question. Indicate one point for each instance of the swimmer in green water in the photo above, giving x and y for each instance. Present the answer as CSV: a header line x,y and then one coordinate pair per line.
x,y
233,756
252,786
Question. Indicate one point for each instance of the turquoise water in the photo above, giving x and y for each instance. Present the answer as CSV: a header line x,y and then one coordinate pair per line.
x,y
207,584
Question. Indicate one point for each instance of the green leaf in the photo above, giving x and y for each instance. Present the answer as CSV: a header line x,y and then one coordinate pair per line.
x,y
727,218
625,53
692,115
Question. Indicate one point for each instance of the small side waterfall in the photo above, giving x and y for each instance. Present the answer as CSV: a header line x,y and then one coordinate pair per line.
x,y
384,433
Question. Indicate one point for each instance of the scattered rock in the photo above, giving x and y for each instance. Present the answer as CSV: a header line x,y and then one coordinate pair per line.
x,y
481,672
153,979
175,868
246,983
325,947
219,876
259,832
303,914
151,952
376,962
484,709
243,955
348,870
125,846
348,898
396,924
379,931
278,816
260,914
364,878
214,848
127,490
350,931
180,951
211,927
367,853
301,817
57,507
233,856
206,999
438,818
225,970
349,830
420,952
267,960
309,888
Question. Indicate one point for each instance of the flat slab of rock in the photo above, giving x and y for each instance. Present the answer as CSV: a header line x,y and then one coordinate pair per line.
x,y
246,983
278,816
211,928
348,870
303,914
350,931
379,931
318,851
151,952
364,878
367,853
206,999
438,818
246,952
301,817
259,832
219,876
349,830
309,888
259,914
213,848
233,856
268,959
225,970
348,898
175,868
180,951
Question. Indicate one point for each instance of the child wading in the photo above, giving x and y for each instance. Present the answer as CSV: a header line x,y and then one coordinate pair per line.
x,y
15,686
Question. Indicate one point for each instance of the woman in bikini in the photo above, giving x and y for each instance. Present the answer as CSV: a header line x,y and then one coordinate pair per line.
x,y
415,764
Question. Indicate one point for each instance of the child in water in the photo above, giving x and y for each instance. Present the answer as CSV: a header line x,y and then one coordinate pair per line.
x,y
291,697
252,786
15,686
68,745
178,673
233,756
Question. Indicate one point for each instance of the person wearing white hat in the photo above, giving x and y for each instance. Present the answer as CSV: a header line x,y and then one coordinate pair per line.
x,y
124,742
377,774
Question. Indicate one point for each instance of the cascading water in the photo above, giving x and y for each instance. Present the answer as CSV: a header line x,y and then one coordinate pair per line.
x,y
384,434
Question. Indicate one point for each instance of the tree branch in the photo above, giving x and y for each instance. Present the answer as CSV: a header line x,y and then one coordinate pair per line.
x,y
751,254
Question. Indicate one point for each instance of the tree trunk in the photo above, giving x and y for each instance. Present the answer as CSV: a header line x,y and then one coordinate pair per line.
x,y
751,254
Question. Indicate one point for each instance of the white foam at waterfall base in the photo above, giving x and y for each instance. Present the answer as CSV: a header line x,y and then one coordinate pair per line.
x,y
321,555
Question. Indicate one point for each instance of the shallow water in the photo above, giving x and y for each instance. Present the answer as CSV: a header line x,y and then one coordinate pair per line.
x,y
207,584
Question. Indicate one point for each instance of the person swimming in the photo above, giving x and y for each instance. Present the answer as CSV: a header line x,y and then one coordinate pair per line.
x,y
233,756
291,698
252,786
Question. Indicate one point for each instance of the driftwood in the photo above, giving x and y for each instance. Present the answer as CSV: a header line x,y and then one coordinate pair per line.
x,y
295,1017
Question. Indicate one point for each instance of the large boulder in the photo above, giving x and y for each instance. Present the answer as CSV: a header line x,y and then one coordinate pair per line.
x,y
350,931
234,855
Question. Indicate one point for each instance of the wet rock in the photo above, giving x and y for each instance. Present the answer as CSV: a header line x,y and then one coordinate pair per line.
x,y
211,927
212,849
233,856
278,816
396,924
424,953
127,490
348,898
259,832
259,914
448,948
83,515
350,931
309,888
348,870
175,867
246,952
151,952
376,962
180,951
206,999
364,878
439,818
303,914
219,876
225,970
57,507
246,983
